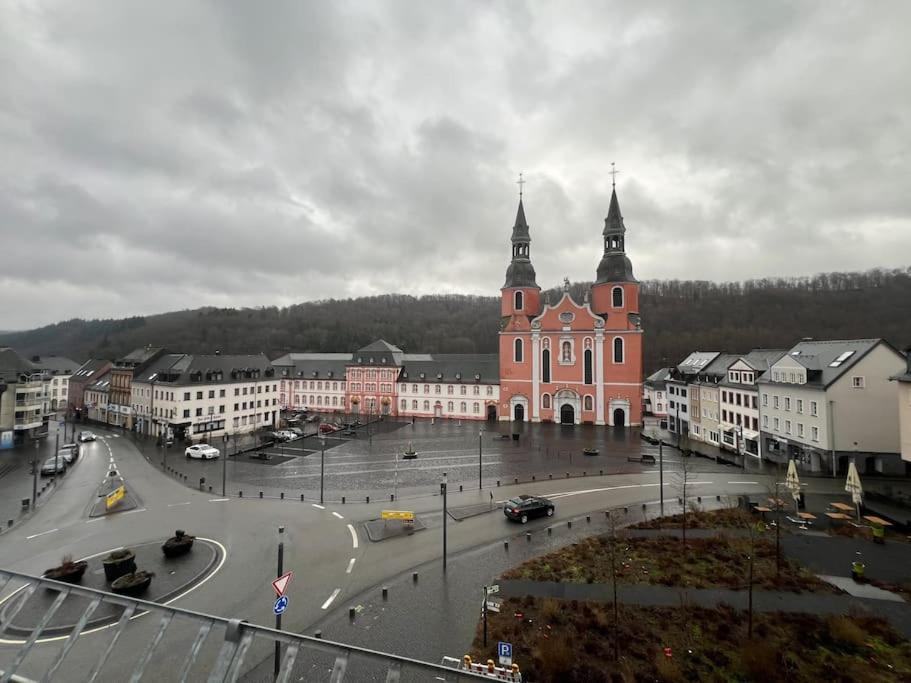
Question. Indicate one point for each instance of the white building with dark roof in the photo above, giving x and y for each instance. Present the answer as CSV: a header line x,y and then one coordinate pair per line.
x,y
678,390
739,401
826,402
903,379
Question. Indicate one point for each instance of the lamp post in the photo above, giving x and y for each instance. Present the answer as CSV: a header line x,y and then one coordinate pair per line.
x,y
35,476
224,465
480,466
56,452
661,474
443,488
322,466
278,617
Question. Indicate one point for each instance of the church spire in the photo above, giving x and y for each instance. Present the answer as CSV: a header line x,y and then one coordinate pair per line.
x,y
614,266
520,272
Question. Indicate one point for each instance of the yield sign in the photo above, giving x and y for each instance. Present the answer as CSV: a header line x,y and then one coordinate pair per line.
x,y
281,583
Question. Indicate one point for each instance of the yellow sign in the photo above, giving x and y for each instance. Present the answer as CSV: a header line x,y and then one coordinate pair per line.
x,y
398,514
114,496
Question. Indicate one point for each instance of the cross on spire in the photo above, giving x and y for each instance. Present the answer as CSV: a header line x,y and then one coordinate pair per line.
x,y
520,182
613,172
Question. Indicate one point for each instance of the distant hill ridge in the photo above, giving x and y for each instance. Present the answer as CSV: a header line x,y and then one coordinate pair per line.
x,y
678,315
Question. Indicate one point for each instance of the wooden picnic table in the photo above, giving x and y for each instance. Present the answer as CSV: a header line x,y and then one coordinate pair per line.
x,y
873,519
843,507
776,502
806,515
841,516
760,508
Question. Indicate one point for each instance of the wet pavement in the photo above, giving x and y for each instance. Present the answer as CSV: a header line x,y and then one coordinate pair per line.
x,y
363,465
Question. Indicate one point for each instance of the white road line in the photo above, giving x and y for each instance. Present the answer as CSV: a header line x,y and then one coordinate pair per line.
x,y
744,482
338,515
331,598
174,505
218,500
353,536
29,538
130,512
318,506
97,519
350,565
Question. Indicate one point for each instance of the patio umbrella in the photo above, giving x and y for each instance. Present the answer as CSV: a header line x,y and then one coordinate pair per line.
x,y
852,486
793,482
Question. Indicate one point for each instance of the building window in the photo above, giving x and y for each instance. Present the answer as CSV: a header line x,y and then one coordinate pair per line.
x,y
588,366
476,408
186,413
857,382
815,432
566,351
426,405
186,396
449,406
765,421
517,351
545,365
414,405
777,424
618,350
476,390
775,402
426,388
211,393
404,404
199,412
463,406
617,297
463,390
813,408
449,390
800,405
800,429
587,401
545,401
490,390
519,301
438,389
787,426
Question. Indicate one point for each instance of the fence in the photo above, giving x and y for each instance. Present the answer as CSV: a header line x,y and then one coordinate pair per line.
x,y
236,635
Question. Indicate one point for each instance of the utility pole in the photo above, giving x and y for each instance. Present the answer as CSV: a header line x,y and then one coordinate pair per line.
x,y
35,476
661,474
443,486
484,613
56,452
480,467
224,465
278,617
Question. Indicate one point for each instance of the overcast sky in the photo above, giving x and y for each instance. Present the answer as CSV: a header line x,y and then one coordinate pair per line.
x,y
159,156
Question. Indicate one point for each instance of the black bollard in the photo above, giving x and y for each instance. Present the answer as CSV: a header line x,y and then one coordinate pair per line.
x,y
343,499
569,524
527,535
391,497
281,495
302,497
260,494
550,531
385,592
317,634
240,494
414,577
368,499
351,613
506,545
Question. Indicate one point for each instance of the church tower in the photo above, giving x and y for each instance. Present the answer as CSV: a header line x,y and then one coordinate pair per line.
x,y
616,289
520,294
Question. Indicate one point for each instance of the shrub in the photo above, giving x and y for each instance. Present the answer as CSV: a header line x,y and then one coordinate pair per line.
x,y
845,632
759,661
556,656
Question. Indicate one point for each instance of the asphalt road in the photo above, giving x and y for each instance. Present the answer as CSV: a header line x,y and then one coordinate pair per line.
x,y
333,561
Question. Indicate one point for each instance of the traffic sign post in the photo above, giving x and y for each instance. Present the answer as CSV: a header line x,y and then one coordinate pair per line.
x,y
280,585
504,653
281,604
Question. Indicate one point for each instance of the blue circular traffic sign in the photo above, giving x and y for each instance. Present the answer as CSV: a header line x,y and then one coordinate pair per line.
x,y
280,605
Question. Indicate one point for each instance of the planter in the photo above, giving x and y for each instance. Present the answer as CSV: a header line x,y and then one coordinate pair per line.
x,y
70,572
179,544
118,563
134,583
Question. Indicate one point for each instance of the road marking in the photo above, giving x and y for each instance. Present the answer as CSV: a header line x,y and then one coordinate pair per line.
x,y
353,536
218,500
174,505
331,598
318,506
29,538
338,515
130,512
97,519
755,483
350,565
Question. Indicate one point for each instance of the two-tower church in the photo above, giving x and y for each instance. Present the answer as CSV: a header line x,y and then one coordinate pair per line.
x,y
569,362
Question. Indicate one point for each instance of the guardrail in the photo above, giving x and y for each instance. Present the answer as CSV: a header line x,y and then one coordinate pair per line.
x,y
236,635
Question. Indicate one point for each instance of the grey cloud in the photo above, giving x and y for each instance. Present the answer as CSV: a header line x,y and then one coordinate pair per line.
x,y
228,153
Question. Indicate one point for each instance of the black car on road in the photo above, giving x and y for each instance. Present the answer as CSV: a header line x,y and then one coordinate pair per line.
x,y
523,508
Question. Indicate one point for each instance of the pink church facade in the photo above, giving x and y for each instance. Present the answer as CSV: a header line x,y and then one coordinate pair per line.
x,y
568,362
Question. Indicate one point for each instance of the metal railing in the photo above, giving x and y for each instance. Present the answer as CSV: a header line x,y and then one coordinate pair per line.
x,y
227,664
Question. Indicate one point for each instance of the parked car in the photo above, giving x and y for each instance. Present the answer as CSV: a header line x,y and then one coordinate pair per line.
x,y
328,428
297,431
67,456
313,418
288,434
71,448
524,507
86,436
202,451
53,465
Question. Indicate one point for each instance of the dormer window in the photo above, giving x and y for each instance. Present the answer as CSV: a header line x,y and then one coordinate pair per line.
x,y
458,375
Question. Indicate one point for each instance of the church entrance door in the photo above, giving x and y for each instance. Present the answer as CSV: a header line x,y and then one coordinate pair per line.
x,y
567,414
519,413
491,413
619,417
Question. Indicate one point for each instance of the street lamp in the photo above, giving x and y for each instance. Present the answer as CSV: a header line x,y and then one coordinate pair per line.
x,y
322,466
480,467
443,487
224,464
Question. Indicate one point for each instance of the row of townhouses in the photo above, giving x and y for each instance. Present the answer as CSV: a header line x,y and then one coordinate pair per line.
x,y
32,390
821,403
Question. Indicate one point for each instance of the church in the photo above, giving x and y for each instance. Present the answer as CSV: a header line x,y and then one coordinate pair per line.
x,y
560,362
568,362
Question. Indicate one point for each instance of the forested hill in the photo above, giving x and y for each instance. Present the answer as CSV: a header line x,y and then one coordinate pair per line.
x,y
678,316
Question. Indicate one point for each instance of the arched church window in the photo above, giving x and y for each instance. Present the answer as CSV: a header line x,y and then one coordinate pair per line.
x,y
520,300
567,352
545,365
545,401
617,296
618,350
517,351
588,403
589,370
